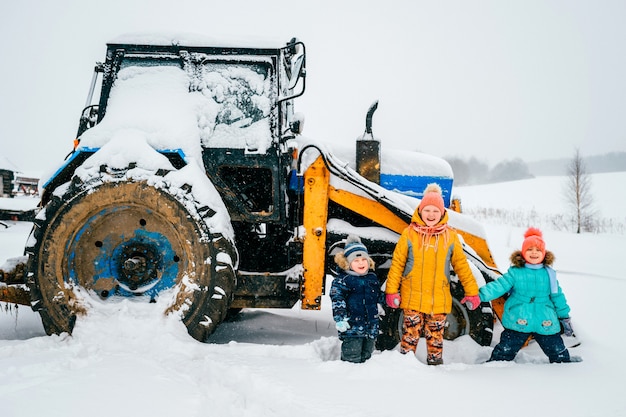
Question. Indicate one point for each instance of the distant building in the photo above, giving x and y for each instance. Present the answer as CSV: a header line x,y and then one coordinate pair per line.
x,y
7,171
6,182
24,184
14,182
18,193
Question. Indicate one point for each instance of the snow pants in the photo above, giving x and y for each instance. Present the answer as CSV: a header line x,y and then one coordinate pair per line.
x,y
511,342
431,326
356,349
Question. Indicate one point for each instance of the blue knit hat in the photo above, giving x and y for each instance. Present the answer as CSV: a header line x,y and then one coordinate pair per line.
x,y
354,249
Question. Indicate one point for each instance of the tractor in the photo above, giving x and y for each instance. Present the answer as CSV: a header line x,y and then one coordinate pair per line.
x,y
191,186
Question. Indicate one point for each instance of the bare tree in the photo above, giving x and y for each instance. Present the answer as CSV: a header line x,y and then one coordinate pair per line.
x,y
578,193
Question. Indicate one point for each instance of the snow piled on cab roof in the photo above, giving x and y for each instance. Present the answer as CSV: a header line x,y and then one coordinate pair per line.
x,y
197,40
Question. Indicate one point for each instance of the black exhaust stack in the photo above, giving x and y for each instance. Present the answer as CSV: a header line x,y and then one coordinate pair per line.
x,y
368,150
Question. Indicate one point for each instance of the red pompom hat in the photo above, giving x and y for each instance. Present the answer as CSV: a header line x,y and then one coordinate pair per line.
x,y
533,237
432,197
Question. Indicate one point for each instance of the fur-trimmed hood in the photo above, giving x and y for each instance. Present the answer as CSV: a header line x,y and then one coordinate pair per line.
x,y
517,259
343,263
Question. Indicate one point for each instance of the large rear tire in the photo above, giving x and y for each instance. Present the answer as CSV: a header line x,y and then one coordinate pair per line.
x,y
129,239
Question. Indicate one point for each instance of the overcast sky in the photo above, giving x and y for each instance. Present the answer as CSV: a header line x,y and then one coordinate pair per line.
x,y
493,79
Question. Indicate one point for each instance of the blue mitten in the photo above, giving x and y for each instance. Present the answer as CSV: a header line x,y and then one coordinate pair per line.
x,y
342,325
566,325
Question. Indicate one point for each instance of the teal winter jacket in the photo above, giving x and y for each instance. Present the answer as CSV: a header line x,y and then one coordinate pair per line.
x,y
534,305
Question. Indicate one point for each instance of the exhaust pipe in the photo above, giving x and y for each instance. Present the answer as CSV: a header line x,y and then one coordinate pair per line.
x,y
368,150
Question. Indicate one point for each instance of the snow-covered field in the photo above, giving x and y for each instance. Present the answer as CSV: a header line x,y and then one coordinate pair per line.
x,y
125,361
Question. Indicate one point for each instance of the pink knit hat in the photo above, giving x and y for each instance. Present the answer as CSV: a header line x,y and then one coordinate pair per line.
x,y
432,197
533,237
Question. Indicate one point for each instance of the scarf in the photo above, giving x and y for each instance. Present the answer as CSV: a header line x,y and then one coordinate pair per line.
x,y
426,232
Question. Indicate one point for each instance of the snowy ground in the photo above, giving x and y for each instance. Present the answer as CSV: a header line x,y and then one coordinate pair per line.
x,y
123,360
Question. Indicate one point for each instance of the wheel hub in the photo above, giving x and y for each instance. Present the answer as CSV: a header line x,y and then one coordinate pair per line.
x,y
138,265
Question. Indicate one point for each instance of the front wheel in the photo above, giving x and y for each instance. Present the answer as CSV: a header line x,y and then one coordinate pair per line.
x,y
128,239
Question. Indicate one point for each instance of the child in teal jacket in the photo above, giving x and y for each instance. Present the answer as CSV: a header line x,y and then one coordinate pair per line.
x,y
536,305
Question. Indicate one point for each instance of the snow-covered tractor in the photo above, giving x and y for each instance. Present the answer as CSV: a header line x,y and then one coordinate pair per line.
x,y
191,187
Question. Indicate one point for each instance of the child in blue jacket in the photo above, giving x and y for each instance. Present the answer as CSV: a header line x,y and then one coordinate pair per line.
x,y
536,305
355,294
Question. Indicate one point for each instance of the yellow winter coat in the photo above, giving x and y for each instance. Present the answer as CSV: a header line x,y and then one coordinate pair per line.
x,y
420,269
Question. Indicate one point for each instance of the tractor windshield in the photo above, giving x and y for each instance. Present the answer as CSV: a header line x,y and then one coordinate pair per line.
x,y
237,112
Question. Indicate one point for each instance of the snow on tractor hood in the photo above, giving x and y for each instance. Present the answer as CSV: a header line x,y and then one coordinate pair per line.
x,y
343,157
405,171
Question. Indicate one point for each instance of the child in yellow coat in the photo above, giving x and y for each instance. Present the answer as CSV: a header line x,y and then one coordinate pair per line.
x,y
419,277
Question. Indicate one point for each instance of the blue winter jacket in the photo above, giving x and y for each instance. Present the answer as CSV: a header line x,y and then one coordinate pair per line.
x,y
356,297
534,305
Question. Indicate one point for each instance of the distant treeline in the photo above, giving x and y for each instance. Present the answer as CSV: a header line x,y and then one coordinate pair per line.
x,y
610,162
472,171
